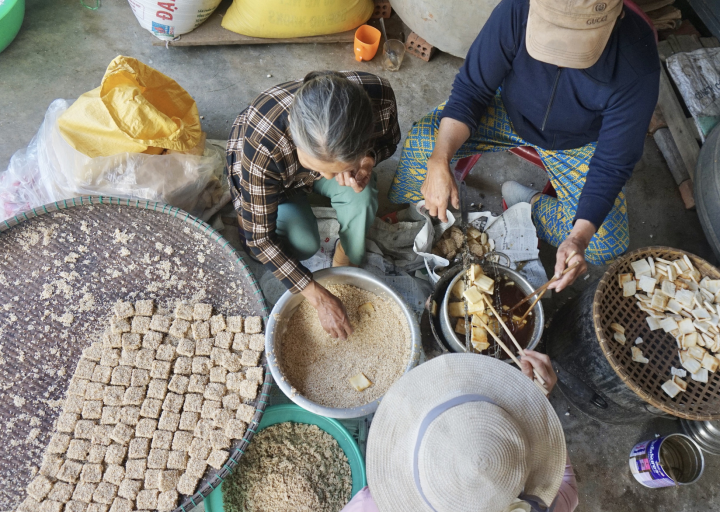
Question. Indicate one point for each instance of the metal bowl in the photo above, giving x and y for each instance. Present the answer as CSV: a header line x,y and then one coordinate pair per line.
x,y
447,327
284,309
705,433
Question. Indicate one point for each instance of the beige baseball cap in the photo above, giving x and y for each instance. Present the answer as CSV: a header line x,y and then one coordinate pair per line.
x,y
570,33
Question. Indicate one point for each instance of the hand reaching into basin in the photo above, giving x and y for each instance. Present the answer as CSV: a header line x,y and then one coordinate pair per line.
x,y
331,312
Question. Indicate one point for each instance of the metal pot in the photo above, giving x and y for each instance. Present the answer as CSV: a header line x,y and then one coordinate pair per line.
x,y
705,433
447,327
284,309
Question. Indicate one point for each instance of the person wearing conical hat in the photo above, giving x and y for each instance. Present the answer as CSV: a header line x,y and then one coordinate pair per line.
x,y
468,433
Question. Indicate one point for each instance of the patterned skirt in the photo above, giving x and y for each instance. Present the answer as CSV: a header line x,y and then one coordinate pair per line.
x,y
566,170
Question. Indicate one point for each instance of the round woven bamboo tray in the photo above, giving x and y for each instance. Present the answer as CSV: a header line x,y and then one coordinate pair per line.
x,y
701,401
62,267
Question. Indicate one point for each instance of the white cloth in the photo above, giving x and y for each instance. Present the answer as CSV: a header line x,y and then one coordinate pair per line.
x,y
361,502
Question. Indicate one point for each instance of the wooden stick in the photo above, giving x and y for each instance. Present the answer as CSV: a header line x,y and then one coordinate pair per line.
x,y
543,287
511,355
499,342
510,335
505,327
522,318
666,466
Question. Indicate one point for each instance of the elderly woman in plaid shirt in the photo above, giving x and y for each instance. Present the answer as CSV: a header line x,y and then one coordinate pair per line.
x,y
322,134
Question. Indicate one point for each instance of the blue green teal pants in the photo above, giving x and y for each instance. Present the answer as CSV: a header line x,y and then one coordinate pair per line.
x,y
297,226
567,171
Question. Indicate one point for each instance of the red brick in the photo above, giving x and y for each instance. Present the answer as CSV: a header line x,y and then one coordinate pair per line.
x,y
420,48
657,121
686,192
382,9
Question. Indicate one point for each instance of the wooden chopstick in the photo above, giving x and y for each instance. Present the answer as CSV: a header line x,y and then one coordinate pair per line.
x,y
499,342
543,287
511,355
522,318
499,319
510,335
567,260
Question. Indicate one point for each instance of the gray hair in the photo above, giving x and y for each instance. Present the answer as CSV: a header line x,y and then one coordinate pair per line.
x,y
331,118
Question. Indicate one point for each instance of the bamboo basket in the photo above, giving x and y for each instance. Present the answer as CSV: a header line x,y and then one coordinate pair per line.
x,y
701,401
221,265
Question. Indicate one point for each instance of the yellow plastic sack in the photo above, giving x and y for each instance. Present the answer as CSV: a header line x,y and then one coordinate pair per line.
x,y
136,109
296,18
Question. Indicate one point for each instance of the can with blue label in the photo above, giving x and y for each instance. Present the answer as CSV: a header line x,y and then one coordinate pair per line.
x,y
667,461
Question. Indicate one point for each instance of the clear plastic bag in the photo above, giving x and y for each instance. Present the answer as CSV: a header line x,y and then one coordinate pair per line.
x,y
49,170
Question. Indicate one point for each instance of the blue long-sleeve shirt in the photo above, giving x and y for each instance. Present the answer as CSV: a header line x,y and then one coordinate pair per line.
x,y
563,108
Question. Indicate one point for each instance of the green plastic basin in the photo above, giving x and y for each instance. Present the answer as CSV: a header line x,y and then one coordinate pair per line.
x,y
291,412
12,13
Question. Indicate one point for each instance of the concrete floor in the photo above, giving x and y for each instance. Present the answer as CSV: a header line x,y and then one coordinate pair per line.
x,y
63,50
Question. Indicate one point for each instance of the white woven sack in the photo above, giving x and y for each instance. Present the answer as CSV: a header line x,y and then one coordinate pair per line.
x,y
168,19
697,75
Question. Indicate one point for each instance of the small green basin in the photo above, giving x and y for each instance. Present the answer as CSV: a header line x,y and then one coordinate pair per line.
x,y
291,412
12,13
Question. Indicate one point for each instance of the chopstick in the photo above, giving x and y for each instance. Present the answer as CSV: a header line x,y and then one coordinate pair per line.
x,y
510,354
510,335
499,342
567,260
522,318
499,319
543,287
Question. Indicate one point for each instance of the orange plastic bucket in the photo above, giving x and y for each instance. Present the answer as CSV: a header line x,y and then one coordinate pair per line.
x,y
367,39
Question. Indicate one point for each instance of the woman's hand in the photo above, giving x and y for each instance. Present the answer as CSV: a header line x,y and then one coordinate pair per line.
x,y
577,241
331,312
541,364
359,178
439,188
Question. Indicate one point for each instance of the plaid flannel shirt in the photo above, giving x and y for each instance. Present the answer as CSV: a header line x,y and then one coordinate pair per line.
x,y
264,170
